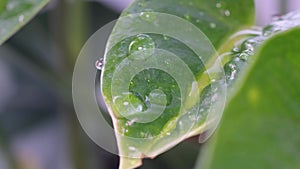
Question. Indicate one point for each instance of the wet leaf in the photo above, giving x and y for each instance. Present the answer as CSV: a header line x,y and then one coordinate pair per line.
x,y
259,126
14,14
156,81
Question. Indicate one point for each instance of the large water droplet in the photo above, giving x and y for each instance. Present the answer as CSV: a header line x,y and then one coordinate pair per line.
x,y
99,64
141,47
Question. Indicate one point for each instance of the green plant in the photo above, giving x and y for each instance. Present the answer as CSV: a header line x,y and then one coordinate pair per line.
x,y
261,119
248,52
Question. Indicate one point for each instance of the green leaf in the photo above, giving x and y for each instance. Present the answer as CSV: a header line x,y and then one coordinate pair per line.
x,y
260,125
14,14
149,90
2,5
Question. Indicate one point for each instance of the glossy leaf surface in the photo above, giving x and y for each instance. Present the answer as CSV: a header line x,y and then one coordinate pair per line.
x,y
183,115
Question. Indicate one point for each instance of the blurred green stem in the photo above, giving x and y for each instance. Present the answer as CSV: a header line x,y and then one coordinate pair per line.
x,y
69,30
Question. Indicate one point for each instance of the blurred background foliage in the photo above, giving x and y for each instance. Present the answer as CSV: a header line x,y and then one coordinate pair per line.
x,y
38,126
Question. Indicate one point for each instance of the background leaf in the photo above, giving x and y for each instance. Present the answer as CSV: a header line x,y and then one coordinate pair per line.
x,y
16,13
259,126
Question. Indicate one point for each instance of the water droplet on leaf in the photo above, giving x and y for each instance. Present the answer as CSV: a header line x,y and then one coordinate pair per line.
x,y
243,56
99,64
227,13
213,25
166,37
187,16
21,18
148,15
141,47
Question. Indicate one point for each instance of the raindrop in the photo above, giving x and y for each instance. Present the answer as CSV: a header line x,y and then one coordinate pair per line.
x,y
227,13
99,64
268,31
166,37
249,47
232,66
218,5
188,17
123,131
243,56
237,59
147,99
233,74
236,49
21,18
130,122
213,25
141,47
132,148
139,108
148,15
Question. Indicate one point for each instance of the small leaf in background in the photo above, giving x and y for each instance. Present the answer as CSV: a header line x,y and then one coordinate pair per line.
x,y
260,125
16,13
